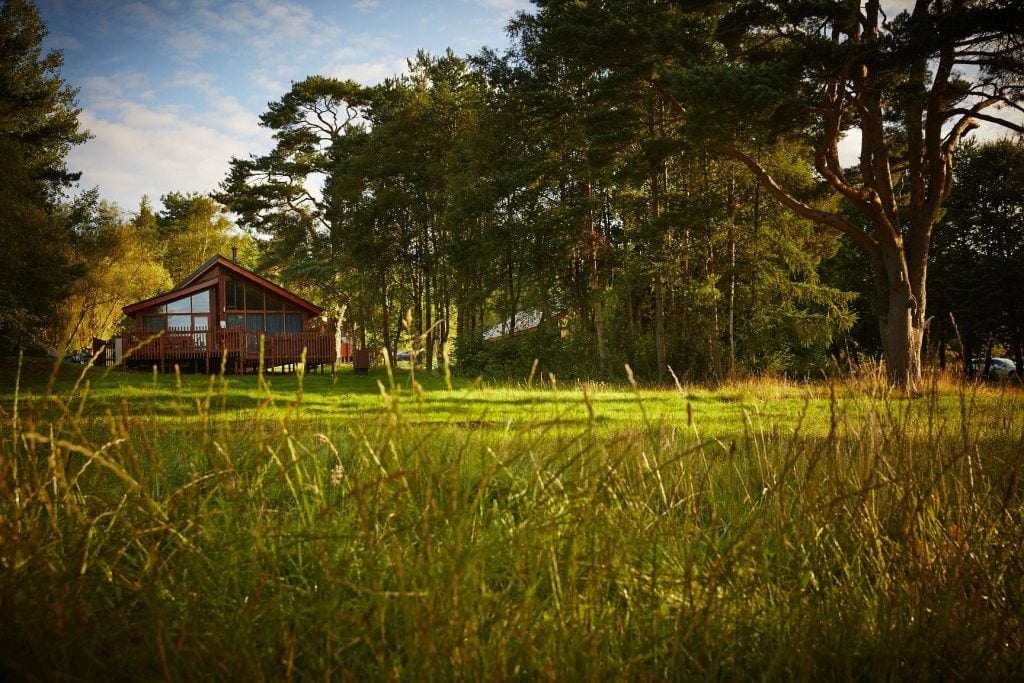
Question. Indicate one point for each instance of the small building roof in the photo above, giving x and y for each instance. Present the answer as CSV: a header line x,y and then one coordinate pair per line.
x,y
524,322
193,283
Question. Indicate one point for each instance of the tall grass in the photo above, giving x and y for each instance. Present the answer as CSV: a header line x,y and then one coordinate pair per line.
x,y
887,545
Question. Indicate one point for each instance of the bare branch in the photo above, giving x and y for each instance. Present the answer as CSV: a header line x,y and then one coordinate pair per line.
x,y
1016,127
965,124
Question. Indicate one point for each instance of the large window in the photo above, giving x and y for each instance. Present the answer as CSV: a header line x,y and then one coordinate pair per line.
x,y
275,303
179,322
252,307
234,295
187,314
270,323
254,322
253,297
275,323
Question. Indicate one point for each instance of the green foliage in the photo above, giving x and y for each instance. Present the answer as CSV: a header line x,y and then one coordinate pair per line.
x,y
811,72
191,228
36,269
39,111
124,266
978,262
317,121
594,171
38,126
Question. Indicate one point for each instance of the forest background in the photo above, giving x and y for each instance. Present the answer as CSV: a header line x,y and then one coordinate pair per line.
x,y
559,180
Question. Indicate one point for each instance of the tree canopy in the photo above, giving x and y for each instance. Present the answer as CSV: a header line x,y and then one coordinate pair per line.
x,y
910,86
654,184
38,126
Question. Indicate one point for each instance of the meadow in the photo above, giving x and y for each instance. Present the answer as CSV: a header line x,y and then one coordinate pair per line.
x,y
415,526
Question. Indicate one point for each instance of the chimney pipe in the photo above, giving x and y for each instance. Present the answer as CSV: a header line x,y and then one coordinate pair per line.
x,y
234,255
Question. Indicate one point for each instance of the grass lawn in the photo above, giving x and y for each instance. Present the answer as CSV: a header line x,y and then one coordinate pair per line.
x,y
343,398
153,526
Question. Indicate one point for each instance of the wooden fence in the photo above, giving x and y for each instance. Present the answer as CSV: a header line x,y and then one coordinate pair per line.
x,y
207,349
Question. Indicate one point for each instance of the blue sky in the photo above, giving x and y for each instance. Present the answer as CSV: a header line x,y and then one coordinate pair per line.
x,y
171,89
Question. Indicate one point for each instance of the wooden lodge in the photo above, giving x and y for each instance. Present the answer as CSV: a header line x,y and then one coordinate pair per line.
x,y
223,313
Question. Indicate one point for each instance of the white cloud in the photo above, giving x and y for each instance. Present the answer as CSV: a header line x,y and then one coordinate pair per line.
x,y
894,7
360,46
140,14
503,5
189,42
158,133
141,150
267,24
202,81
268,83
64,43
368,72
222,110
987,131
106,92
849,146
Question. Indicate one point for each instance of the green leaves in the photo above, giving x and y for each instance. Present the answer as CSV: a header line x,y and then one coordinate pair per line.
x,y
38,126
37,108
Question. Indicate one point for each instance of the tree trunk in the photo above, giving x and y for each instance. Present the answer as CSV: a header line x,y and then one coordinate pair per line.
x,y
900,321
385,313
339,328
942,344
966,350
599,337
428,323
659,326
417,308
731,323
595,279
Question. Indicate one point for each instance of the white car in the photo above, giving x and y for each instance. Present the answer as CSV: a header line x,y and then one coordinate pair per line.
x,y
999,367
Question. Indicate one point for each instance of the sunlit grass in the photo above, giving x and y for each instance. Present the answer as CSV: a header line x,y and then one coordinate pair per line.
x,y
317,527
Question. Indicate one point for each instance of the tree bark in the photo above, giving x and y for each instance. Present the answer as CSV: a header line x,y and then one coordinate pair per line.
x,y
595,278
659,326
385,314
901,323
731,304
942,345
427,334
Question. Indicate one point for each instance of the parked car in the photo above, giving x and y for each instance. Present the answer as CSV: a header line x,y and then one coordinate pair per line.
x,y
999,367
408,355
81,356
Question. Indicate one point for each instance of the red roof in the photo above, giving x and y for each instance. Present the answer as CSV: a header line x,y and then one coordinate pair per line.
x,y
185,287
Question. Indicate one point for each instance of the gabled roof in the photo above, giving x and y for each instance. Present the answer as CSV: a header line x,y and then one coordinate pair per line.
x,y
190,285
207,264
168,296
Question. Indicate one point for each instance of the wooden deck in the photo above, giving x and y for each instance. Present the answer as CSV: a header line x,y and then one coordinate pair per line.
x,y
240,350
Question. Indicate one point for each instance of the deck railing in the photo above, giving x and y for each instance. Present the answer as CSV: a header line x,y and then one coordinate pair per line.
x,y
240,347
